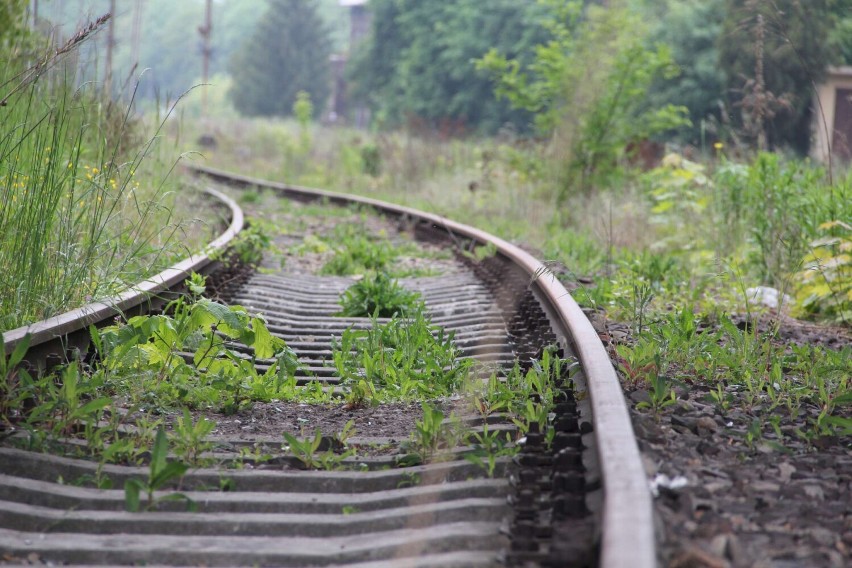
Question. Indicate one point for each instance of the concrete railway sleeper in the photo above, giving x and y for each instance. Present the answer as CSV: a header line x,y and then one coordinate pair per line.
x,y
499,487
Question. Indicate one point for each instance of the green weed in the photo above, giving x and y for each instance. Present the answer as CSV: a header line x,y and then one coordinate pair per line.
x,y
79,220
488,447
429,433
161,473
358,255
195,348
377,295
252,243
403,359
14,380
825,282
188,438
308,450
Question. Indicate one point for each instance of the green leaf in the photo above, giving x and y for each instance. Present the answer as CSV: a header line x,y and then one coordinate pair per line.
x,y
18,353
191,505
132,489
159,453
263,340
172,470
843,426
205,313
93,406
843,399
148,353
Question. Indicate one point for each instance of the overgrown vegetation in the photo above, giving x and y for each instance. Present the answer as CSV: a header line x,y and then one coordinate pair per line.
x,y
406,358
85,208
357,252
643,233
672,251
586,87
378,295
193,344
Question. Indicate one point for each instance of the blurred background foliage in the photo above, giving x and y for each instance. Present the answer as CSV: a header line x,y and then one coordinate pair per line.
x,y
416,66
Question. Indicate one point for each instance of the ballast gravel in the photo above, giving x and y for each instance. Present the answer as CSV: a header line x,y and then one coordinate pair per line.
x,y
726,499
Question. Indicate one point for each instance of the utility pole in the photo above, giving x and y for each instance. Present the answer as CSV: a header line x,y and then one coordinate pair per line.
x,y
35,14
205,31
136,33
109,47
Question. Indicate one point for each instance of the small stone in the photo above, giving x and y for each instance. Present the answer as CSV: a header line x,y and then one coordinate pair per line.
x,y
716,486
650,465
707,448
719,545
823,536
706,425
765,486
814,492
693,505
695,557
682,423
762,503
735,551
640,395
785,470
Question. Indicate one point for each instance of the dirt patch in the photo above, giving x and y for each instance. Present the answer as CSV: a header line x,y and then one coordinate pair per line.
x,y
388,420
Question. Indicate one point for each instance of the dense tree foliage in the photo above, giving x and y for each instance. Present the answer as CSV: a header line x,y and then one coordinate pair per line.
x,y
288,52
417,68
418,63
691,29
588,88
840,36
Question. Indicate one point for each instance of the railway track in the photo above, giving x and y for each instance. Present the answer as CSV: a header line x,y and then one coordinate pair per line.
x,y
580,500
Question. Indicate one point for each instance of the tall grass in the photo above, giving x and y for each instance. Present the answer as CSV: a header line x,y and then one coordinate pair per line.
x,y
76,222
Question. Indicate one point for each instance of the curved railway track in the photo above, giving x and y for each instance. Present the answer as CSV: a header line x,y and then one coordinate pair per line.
x,y
582,501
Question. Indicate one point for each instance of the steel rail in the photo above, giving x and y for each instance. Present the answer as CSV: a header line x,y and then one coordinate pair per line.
x,y
627,530
60,326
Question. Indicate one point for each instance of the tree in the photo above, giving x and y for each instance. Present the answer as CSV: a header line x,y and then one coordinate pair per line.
x,y
691,29
773,53
841,36
288,52
418,63
588,89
